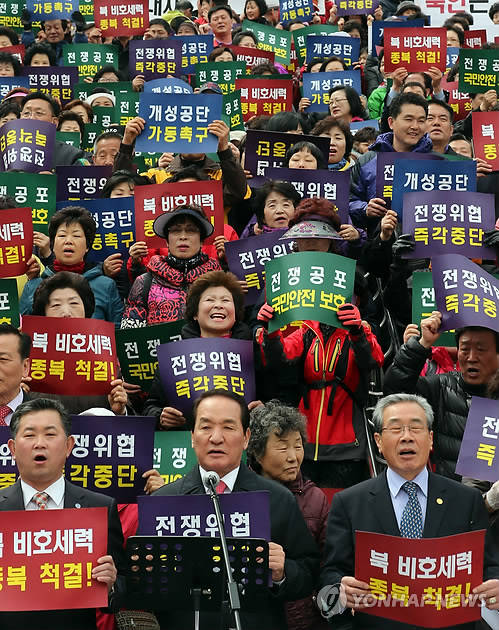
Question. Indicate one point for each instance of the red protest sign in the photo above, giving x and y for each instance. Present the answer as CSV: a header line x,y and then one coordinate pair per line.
x,y
265,96
151,201
426,580
415,49
47,559
475,39
18,51
71,355
16,241
486,137
114,17
253,56
459,101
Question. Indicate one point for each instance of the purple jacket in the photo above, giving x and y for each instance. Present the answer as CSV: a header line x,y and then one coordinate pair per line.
x,y
363,178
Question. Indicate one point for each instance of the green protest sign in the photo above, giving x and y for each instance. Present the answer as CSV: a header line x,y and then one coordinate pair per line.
x,y
136,348
127,107
224,73
272,39
308,286
82,90
89,58
423,303
87,10
10,15
69,137
104,116
32,190
145,161
478,70
232,114
9,302
300,37
91,133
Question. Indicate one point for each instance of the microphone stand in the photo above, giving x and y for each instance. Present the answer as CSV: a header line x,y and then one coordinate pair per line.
x,y
235,604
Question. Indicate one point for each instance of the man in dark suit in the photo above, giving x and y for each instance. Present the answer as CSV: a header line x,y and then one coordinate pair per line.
x,y
41,441
15,347
429,506
219,436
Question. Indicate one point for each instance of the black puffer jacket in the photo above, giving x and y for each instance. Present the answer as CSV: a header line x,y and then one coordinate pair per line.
x,y
448,394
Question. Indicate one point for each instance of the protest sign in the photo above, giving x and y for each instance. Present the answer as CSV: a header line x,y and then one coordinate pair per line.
x,y
361,124
252,56
35,191
300,38
53,80
18,51
155,58
423,304
385,166
115,226
9,302
265,96
232,113
475,38
331,185
428,581
9,83
486,137
111,454
48,557
89,137
479,444
245,515
69,355
422,175
465,294
459,101
16,241
195,49
415,49
8,468
145,161
136,348
170,85
192,366
324,46
179,122
478,70
267,149
87,10
301,10
72,138
452,57
104,116
223,73
10,15
443,222
89,58
356,7
173,454
440,10
308,286
151,201
27,145
81,182
247,257
52,9
378,28
127,107
121,18
272,39
82,90
316,87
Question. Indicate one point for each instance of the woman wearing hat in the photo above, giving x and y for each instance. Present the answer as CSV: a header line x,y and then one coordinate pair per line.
x,y
159,295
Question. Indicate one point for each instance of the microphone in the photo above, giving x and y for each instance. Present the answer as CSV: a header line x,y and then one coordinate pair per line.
x,y
211,479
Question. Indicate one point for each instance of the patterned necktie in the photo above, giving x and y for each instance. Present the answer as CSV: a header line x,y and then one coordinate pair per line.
x,y
4,412
411,523
220,489
41,500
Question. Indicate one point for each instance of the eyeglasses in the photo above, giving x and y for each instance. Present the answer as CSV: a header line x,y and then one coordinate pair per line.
x,y
333,101
414,429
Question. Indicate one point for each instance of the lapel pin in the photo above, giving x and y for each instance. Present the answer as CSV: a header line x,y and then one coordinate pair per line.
x,y
77,505
440,501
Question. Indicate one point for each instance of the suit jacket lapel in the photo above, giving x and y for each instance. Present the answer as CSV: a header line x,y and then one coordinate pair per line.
x,y
192,483
381,506
12,497
73,496
436,506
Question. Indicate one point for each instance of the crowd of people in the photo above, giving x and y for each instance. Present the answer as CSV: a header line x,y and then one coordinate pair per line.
x,y
334,456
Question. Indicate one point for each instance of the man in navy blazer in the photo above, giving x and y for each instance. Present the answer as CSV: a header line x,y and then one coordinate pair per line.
x,y
403,434
41,441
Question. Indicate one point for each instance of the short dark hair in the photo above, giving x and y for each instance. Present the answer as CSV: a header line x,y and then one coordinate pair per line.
x,y
239,36
11,34
427,84
283,121
104,70
214,279
69,115
408,98
24,339
459,33
64,23
261,4
183,5
219,50
329,59
9,106
119,177
40,404
73,214
326,124
219,7
356,108
263,67
40,49
189,172
307,146
443,105
284,188
64,280
75,102
245,416
162,23
6,57
313,62
366,134
461,331
106,135
39,95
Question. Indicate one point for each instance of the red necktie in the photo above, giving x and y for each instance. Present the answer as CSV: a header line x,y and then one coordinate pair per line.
x,y
4,412
41,499
220,489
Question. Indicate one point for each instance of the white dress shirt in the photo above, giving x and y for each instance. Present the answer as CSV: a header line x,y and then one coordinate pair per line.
x,y
54,491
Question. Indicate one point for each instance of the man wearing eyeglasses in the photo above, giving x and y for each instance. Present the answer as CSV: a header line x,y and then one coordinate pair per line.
x,y
407,500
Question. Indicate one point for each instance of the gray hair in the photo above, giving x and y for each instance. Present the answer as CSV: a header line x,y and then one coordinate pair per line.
x,y
40,404
393,399
273,417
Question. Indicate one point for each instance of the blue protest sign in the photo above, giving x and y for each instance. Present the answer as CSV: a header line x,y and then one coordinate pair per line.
x,y
195,50
8,83
316,86
347,48
378,27
360,124
167,86
52,9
